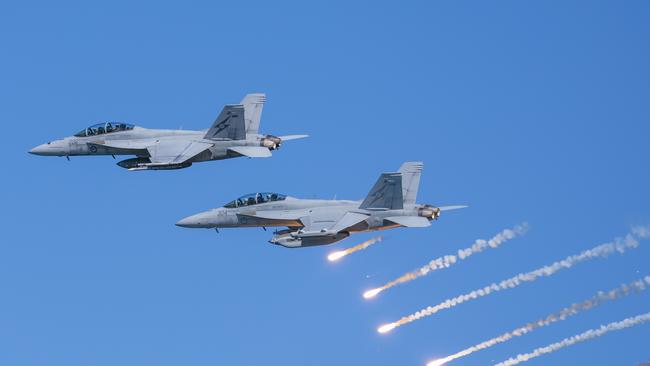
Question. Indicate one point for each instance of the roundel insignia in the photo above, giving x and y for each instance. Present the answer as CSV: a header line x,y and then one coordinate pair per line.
x,y
93,149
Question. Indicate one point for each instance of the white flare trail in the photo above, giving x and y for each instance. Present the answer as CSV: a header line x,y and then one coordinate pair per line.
x,y
449,260
334,256
601,297
585,336
619,245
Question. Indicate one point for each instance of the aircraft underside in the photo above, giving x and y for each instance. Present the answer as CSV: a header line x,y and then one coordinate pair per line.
x,y
291,238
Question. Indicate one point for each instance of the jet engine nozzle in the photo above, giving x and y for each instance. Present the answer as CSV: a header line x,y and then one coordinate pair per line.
x,y
271,142
430,212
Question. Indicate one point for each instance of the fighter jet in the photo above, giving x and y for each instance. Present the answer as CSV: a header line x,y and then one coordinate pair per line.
x,y
391,203
233,134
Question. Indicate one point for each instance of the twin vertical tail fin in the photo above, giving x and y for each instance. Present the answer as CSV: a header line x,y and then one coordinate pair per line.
x,y
411,172
393,190
386,194
253,105
236,121
229,125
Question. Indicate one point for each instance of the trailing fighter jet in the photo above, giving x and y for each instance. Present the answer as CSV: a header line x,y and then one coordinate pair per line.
x,y
233,134
390,203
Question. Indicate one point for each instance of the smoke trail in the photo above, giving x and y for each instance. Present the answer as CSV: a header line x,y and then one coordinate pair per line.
x,y
647,363
642,232
342,253
599,298
590,334
449,260
619,245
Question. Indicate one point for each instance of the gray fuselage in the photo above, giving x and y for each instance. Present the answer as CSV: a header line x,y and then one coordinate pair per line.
x,y
134,140
292,212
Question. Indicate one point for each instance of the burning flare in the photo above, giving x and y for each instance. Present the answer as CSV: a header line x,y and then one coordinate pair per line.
x,y
598,299
332,257
386,328
619,245
449,260
585,336
372,293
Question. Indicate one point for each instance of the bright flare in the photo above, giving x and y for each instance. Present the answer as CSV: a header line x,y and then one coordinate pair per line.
x,y
336,255
449,260
372,293
599,298
342,253
438,362
619,245
386,328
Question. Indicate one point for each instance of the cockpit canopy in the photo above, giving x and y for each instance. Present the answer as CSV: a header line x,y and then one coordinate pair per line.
x,y
102,128
255,198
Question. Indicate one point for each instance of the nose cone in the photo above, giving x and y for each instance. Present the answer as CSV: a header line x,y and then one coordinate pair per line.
x,y
195,221
40,150
54,148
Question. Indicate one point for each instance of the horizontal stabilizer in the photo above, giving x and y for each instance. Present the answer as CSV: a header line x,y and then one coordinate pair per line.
x,y
449,208
292,137
252,151
410,221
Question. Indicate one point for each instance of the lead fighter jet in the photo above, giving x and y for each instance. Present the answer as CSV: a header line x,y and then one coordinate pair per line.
x,y
233,134
391,203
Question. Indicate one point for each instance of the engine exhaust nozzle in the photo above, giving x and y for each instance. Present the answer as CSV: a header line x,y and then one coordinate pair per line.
x,y
430,212
271,142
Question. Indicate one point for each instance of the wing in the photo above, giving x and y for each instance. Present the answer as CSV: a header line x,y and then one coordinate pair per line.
x,y
175,152
349,219
252,151
320,227
312,225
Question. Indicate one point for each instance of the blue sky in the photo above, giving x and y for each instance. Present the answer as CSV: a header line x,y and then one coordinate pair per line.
x,y
527,111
